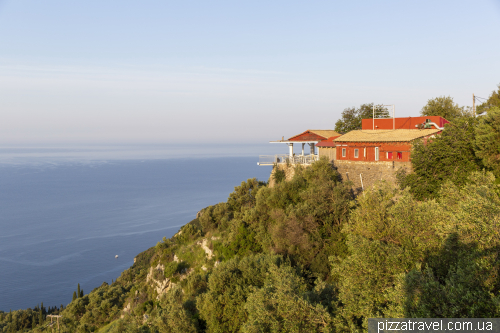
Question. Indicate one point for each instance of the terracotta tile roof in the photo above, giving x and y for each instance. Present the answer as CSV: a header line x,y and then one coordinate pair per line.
x,y
328,143
325,133
386,135
314,135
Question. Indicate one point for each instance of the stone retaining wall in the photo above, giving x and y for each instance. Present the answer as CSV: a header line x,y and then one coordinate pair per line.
x,y
370,172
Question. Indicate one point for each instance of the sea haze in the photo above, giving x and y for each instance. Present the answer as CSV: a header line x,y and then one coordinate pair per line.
x,y
66,213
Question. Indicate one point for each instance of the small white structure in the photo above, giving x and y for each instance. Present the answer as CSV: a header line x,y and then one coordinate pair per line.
x,y
310,137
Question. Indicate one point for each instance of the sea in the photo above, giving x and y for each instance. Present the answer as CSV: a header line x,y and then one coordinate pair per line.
x,y
67,212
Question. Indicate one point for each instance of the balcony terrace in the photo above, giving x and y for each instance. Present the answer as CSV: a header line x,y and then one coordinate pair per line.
x,y
285,158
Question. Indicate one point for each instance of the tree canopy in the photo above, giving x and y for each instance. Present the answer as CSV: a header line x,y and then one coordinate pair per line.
x,y
351,117
488,140
493,101
448,157
445,107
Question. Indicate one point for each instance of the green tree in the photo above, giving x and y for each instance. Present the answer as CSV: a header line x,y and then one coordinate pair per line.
x,y
303,217
243,196
445,107
173,317
351,117
285,304
81,293
223,305
461,278
488,140
78,291
40,316
493,100
449,156
388,234
74,295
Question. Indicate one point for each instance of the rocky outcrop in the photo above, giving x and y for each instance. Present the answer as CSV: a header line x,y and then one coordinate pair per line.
x,y
161,286
204,246
289,170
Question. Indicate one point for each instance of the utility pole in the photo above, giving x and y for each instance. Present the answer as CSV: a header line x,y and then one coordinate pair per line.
x,y
474,104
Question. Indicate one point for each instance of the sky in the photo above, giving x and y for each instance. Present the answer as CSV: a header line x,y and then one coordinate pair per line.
x,y
162,72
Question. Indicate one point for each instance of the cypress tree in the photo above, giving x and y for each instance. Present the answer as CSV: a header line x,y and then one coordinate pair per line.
x,y
40,317
81,293
78,292
74,295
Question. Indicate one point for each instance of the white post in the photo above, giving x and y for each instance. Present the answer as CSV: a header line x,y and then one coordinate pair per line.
x,y
290,148
303,149
393,117
373,117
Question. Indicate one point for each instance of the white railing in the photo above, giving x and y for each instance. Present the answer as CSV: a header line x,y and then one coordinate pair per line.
x,y
285,158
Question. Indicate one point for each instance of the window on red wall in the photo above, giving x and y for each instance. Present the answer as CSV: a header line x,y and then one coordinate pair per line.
x,y
400,155
389,155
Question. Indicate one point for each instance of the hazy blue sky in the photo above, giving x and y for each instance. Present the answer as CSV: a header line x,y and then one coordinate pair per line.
x,y
231,71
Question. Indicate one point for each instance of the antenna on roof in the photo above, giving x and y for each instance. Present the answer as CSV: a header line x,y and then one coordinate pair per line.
x,y
381,111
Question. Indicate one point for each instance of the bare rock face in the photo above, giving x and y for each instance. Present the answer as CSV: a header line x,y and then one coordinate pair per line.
x,y
204,246
200,213
126,310
289,173
161,286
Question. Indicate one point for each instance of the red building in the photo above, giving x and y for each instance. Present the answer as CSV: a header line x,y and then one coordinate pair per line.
x,y
384,143
368,155
403,123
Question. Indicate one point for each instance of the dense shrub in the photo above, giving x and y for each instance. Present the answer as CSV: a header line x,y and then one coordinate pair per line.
x,y
408,258
263,293
448,157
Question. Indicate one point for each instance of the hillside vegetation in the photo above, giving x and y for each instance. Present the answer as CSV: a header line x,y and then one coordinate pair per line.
x,y
307,256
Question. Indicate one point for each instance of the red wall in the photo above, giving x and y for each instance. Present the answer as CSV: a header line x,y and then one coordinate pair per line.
x,y
401,123
394,147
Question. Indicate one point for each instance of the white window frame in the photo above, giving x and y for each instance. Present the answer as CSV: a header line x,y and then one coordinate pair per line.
x,y
356,153
377,154
344,152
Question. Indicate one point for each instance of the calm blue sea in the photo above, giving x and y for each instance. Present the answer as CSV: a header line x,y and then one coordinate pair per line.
x,y
66,212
